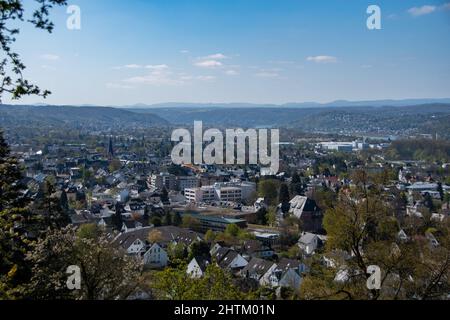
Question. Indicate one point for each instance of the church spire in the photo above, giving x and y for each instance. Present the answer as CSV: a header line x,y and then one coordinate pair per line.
x,y
110,148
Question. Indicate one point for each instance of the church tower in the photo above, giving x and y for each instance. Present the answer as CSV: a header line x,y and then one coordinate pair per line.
x,y
110,149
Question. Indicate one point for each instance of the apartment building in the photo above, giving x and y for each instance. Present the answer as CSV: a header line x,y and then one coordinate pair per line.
x,y
203,194
187,182
229,194
163,180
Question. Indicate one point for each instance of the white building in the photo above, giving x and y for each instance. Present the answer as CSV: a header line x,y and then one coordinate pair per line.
x,y
308,242
136,247
337,146
213,193
197,267
156,257
163,180
422,187
229,194
203,194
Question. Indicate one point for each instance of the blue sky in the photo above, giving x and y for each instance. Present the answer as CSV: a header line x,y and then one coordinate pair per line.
x,y
259,51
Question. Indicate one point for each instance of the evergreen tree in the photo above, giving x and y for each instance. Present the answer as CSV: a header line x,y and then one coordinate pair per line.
x,y
297,186
117,216
177,220
48,207
261,216
199,249
284,198
295,178
64,202
16,224
428,202
156,221
441,191
168,219
268,189
164,196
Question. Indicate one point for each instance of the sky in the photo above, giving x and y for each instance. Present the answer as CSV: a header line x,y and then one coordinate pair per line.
x,y
255,51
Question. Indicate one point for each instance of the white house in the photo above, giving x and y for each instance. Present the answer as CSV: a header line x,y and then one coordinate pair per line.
x,y
259,270
137,247
290,279
129,226
309,242
197,267
267,278
288,273
156,257
214,249
232,260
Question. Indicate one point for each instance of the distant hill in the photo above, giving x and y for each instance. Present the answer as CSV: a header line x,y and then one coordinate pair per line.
x,y
393,120
295,105
429,118
92,117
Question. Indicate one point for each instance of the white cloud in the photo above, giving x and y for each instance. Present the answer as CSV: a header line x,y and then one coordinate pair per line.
x,y
216,56
420,11
128,66
231,73
211,61
132,66
184,51
209,64
186,78
156,79
50,57
153,79
322,59
138,66
157,67
161,75
158,75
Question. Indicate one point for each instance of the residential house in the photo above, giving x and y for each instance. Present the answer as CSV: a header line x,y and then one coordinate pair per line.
x,y
308,212
256,249
155,257
131,225
288,273
214,249
134,242
309,242
259,270
197,267
229,259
